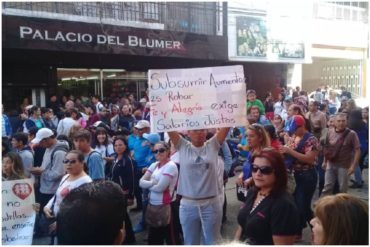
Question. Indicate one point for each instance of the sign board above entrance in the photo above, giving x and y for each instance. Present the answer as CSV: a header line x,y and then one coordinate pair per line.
x,y
45,34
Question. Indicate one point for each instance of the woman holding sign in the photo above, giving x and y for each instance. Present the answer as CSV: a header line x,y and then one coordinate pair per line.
x,y
12,167
200,210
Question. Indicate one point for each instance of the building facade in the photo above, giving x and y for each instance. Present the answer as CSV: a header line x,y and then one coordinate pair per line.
x,y
340,47
104,48
309,44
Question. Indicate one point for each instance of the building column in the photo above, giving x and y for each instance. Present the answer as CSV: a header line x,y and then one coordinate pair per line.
x,y
294,75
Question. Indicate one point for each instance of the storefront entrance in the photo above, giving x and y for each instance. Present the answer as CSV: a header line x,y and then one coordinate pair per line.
x,y
104,82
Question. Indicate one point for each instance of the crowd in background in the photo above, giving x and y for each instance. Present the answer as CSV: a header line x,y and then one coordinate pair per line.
x,y
291,146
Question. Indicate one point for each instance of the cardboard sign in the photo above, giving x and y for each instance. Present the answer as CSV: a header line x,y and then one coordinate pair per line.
x,y
18,213
201,98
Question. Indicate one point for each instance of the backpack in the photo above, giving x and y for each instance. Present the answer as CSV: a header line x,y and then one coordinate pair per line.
x,y
108,164
331,151
58,148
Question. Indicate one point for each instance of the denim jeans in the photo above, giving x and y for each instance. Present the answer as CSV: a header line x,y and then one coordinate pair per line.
x,y
320,172
142,195
201,219
358,175
145,200
358,170
137,190
306,181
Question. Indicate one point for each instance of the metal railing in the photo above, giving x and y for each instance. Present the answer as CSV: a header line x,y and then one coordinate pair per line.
x,y
194,17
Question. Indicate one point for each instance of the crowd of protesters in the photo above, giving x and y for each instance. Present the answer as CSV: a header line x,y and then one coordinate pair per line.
x,y
290,145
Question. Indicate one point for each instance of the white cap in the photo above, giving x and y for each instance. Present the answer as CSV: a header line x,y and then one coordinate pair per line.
x,y
42,134
142,124
97,123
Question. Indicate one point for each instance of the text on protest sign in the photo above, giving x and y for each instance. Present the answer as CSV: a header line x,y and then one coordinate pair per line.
x,y
200,98
18,213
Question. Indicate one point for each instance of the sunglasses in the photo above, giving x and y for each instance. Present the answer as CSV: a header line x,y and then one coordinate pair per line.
x,y
265,170
69,161
161,150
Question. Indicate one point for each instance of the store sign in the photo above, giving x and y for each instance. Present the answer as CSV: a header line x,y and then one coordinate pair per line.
x,y
60,36
279,35
199,98
18,215
44,34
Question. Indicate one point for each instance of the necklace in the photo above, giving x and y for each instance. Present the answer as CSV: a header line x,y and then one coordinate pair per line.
x,y
258,203
263,194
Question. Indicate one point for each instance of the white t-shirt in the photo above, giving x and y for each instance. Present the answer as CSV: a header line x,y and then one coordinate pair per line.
x,y
199,176
278,108
159,196
64,188
99,106
65,125
103,150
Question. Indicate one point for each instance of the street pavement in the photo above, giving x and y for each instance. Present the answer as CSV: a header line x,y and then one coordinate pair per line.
x,y
228,228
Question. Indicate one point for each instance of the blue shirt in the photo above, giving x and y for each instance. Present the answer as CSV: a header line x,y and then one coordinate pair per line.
x,y
247,165
95,164
6,128
131,139
287,124
243,142
143,154
263,120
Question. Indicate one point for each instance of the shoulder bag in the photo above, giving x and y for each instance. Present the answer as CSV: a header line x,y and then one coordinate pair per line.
x,y
331,151
158,215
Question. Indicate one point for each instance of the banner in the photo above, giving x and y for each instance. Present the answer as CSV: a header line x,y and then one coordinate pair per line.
x,y
199,98
269,31
18,213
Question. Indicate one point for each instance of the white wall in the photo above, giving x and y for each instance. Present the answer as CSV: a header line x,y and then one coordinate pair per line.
x,y
339,33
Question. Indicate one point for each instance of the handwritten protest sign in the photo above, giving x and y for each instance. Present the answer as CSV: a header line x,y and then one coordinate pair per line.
x,y
18,213
200,98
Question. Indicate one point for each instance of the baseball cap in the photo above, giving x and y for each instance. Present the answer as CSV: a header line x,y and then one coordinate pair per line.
x,y
142,124
97,124
153,138
295,122
42,134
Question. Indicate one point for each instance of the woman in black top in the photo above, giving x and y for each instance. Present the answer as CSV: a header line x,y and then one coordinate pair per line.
x,y
122,173
269,215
